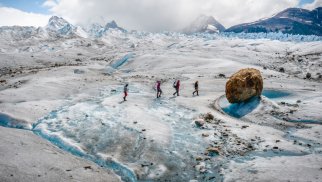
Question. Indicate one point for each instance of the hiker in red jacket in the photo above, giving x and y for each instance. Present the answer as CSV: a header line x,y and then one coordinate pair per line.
x,y
176,85
159,91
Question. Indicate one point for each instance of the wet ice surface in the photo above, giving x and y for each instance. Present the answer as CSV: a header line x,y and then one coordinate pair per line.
x,y
8,121
275,94
80,130
107,132
102,133
273,97
241,109
148,139
277,108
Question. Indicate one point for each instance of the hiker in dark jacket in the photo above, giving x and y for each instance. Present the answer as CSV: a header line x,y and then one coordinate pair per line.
x,y
159,91
176,85
196,88
125,91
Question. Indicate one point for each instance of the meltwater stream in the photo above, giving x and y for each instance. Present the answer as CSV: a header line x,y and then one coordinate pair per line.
x,y
8,121
96,132
77,137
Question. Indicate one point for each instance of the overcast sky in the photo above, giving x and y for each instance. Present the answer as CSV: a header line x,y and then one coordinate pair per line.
x,y
149,15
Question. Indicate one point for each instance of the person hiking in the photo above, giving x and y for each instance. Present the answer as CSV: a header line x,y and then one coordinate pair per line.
x,y
196,89
159,91
176,85
125,91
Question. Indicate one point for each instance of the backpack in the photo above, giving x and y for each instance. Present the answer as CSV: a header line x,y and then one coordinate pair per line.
x,y
174,84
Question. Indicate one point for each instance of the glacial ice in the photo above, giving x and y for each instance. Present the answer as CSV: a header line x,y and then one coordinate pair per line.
x,y
156,139
122,61
101,133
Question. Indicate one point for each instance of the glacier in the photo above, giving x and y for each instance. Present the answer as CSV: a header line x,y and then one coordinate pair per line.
x,y
61,93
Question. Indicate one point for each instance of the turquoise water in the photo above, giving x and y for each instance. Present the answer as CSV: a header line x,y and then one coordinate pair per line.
x,y
306,121
7,121
273,94
239,110
242,109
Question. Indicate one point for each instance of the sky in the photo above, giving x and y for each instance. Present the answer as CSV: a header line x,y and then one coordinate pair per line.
x,y
148,15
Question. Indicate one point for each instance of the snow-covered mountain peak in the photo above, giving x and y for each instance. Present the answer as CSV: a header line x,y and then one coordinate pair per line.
x,y
97,30
204,23
113,25
56,23
95,26
60,27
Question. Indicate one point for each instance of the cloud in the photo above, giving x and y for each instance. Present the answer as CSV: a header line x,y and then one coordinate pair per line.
x,y
150,15
313,5
49,3
12,16
156,15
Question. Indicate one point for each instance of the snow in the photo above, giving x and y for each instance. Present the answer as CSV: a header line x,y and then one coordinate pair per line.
x,y
292,168
68,91
81,32
212,28
30,158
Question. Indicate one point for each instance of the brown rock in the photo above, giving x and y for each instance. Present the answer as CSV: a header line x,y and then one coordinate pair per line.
x,y
208,117
199,158
243,85
214,150
87,167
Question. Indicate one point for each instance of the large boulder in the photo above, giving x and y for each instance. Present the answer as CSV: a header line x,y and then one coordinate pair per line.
x,y
243,85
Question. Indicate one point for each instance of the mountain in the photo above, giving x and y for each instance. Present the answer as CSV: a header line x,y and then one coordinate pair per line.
x,y
59,27
291,21
17,32
204,24
113,25
56,28
96,30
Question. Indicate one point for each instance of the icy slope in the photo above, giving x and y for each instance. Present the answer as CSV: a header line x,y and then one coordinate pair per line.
x,y
61,91
29,158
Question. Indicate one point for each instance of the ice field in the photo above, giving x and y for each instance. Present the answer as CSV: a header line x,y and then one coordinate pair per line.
x,y
68,92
